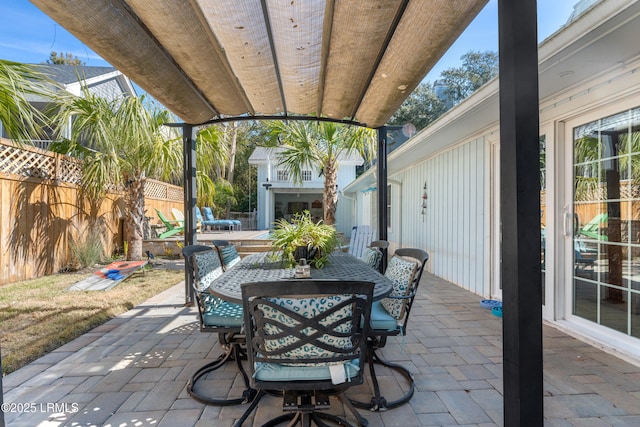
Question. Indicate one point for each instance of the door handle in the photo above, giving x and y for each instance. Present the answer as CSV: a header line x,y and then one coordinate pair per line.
x,y
568,224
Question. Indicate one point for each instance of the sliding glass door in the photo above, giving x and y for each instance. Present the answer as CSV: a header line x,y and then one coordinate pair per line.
x,y
606,222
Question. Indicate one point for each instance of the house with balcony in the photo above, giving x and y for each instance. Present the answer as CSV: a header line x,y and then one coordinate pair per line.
x,y
280,197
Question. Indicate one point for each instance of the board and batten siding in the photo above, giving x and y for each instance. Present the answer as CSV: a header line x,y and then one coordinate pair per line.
x,y
454,229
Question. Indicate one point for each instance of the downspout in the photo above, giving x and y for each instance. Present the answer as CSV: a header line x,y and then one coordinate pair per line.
x,y
399,184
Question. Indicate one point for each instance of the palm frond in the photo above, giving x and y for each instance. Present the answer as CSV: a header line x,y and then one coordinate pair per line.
x,y
20,119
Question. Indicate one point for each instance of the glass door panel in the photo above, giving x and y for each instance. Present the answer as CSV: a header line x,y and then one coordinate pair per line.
x,y
606,235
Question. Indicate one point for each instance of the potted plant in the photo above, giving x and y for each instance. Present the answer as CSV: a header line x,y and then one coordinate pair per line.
x,y
302,238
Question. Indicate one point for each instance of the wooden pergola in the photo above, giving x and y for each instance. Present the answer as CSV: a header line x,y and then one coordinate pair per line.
x,y
351,61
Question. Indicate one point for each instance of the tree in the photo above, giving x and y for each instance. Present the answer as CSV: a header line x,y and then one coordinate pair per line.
x,y
428,102
128,144
20,119
56,58
477,69
420,109
319,144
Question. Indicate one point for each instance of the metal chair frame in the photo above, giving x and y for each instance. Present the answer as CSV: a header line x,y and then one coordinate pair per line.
x,y
378,339
302,398
231,339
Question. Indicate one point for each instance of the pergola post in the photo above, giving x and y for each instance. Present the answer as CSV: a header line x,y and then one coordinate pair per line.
x,y
190,237
381,168
520,213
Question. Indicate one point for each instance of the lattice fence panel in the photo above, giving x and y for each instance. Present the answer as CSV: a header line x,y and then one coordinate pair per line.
x,y
26,163
29,162
175,193
70,170
155,189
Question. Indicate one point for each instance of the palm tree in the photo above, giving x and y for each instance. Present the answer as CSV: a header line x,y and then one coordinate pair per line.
x,y
121,143
20,119
319,144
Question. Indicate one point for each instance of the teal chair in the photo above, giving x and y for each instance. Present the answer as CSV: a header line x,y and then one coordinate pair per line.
x,y
306,365
217,316
389,317
210,221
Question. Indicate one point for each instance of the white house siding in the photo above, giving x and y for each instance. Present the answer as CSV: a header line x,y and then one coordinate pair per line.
x,y
261,177
109,89
453,227
345,212
585,75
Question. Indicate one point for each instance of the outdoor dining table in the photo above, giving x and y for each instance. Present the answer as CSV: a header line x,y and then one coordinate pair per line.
x,y
261,268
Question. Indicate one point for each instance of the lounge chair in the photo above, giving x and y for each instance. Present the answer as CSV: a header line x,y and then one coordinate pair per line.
x,y
179,217
218,223
593,229
210,220
361,237
172,228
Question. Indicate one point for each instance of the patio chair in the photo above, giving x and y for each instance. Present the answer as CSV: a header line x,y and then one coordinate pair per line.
x,y
594,228
389,317
380,247
178,216
306,339
217,316
373,257
361,237
228,253
211,221
172,228
236,224
381,244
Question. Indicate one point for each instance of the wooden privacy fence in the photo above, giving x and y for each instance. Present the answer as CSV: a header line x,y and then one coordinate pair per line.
x,y
42,211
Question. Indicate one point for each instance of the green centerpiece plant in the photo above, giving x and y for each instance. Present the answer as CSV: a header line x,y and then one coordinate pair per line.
x,y
302,238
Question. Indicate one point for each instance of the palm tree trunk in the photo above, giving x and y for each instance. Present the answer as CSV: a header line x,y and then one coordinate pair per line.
x,y
232,159
330,195
135,219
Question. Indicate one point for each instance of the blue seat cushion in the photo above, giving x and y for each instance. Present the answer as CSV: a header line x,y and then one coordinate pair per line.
x,y
278,372
224,314
381,319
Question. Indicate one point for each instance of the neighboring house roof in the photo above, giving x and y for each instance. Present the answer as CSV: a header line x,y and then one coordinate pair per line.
x,y
106,82
262,154
67,74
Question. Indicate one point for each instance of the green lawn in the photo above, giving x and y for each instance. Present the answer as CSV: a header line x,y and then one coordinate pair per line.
x,y
39,315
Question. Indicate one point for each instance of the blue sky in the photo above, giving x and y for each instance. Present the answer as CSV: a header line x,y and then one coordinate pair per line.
x,y
28,35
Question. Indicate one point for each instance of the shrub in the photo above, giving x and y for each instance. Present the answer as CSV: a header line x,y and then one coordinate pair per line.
x,y
88,251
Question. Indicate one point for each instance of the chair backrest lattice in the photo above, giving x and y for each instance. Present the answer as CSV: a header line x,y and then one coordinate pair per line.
x,y
187,252
207,267
228,253
214,314
306,324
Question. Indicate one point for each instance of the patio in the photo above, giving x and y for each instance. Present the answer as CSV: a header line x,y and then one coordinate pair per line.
x,y
133,371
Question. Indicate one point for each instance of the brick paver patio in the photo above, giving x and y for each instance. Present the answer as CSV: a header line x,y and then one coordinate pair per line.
x,y
132,371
